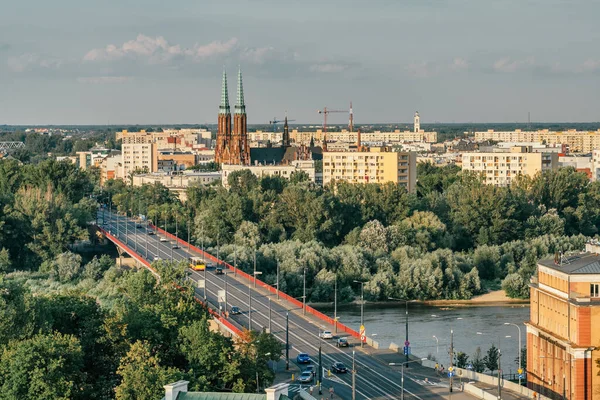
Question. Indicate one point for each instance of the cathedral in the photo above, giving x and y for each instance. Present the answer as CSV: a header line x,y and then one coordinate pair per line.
x,y
232,144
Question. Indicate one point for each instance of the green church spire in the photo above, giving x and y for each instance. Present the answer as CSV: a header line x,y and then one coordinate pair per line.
x,y
240,106
224,107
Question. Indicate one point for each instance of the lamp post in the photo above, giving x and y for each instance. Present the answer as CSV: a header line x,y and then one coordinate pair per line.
x,y
335,303
255,267
353,378
250,301
277,279
362,311
402,369
499,364
437,345
287,340
519,368
406,342
304,292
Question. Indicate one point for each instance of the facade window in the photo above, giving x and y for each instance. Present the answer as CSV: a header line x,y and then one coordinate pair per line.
x,y
594,290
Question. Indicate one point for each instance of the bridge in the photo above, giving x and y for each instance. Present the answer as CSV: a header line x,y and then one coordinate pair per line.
x,y
8,146
265,307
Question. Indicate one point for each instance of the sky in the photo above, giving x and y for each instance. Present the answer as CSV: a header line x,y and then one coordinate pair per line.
x,y
160,62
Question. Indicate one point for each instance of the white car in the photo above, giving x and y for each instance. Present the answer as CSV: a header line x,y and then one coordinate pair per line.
x,y
326,335
164,239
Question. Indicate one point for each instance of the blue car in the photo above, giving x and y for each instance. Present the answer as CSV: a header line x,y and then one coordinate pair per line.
x,y
303,358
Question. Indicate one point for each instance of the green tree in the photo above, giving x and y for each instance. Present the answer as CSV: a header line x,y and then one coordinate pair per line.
x,y
461,359
5,263
44,367
491,359
15,311
65,267
478,362
142,375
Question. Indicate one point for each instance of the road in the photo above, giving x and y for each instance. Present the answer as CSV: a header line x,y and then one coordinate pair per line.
x,y
374,380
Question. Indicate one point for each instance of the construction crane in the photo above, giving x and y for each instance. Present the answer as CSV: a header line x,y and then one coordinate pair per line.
x,y
325,112
278,121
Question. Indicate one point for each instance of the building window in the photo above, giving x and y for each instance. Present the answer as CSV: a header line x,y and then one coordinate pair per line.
x,y
594,292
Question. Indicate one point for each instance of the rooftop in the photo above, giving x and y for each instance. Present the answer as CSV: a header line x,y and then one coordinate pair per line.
x,y
582,263
220,396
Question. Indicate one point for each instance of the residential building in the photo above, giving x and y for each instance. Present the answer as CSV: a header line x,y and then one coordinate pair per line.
x,y
91,158
563,339
500,168
175,160
577,141
282,170
172,139
376,165
178,182
111,167
581,163
595,165
179,391
138,157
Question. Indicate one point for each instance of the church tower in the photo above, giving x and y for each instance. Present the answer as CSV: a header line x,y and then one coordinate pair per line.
x,y
222,151
286,132
240,150
417,122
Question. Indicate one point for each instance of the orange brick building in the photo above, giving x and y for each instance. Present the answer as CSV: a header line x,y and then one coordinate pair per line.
x,y
563,334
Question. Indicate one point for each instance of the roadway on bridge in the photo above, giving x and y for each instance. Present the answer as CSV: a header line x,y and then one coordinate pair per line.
x,y
374,380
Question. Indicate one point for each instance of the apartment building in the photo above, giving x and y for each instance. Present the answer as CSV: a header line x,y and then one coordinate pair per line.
x,y
577,141
138,157
563,339
377,165
500,168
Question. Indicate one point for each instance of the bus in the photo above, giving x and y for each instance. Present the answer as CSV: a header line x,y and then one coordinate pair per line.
x,y
197,264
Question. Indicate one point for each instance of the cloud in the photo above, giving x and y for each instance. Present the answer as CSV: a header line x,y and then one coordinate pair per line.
x,y
422,69
31,61
104,79
590,66
508,65
158,50
328,68
258,55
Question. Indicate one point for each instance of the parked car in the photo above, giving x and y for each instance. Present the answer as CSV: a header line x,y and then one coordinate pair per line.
x,y
342,342
326,335
305,377
303,358
219,271
235,310
339,368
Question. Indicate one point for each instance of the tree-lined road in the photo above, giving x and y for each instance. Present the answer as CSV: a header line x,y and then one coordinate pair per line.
x,y
374,380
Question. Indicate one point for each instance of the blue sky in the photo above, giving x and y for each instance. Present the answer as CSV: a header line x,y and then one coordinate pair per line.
x,y
151,61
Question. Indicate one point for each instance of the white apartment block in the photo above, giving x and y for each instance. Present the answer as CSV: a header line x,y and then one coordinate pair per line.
x,y
500,168
284,171
378,165
577,141
139,157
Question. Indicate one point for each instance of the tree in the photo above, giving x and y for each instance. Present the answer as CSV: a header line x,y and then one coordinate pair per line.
x,y
142,376
5,262
477,361
515,286
65,267
46,367
491,359
96,267
461,359
15,311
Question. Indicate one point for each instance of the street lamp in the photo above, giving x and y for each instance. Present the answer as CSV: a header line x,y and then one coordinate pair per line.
x,y
499,364
406,342
362,311
250,301
304,293
519,370
437,345
402,380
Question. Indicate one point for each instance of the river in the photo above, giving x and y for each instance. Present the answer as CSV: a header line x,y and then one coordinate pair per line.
x,y
386,324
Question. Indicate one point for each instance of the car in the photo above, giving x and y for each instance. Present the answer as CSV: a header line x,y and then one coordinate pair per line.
x,y
305,377
339,368
342,342
219,271
311,369
151,233
164,239
156,258
326,335
175,247
235,310
303,358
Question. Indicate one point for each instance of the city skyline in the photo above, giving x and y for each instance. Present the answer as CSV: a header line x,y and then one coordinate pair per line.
x,y
155,63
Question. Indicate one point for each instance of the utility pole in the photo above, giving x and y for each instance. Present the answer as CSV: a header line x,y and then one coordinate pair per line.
x,y
270,331
452,357
407,343
250,307
353,377
255,266
278,279
320,368
287,340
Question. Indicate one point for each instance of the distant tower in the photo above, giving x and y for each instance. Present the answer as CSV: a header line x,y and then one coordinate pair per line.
x,y
351,122
417,122
240,151
224,125
286,132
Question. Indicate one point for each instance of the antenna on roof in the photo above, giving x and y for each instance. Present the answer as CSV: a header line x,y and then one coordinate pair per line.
x,y
563,259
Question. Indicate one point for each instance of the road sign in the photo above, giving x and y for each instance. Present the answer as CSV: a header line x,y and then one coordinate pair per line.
x,y
520,376
363,338
450,374
520,371
407,343
406,350
470,366
450,369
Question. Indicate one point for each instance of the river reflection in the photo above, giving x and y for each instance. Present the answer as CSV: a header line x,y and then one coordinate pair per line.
x,y
388,325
